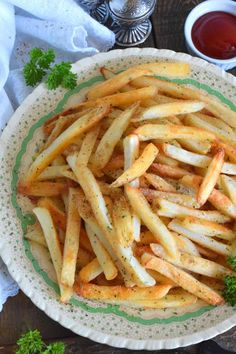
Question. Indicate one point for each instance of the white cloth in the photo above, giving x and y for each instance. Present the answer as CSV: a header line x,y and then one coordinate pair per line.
x,y
59,24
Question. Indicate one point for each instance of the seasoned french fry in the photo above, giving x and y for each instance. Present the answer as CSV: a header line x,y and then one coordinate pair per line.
x,y
159,183
211,177
182,199
115,83
194,264
122,220
167,69
97,292
102,255
87,146
229,186
42,189
168,109
50,234
109,140
200,147
169,132
139,167
58,216
90,271
209,228
183,279
169,171
173,210
152,221
53,172
71,245
80,126
161,158
200,239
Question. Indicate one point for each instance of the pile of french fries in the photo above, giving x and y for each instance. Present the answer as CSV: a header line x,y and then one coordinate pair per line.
x,y
135,191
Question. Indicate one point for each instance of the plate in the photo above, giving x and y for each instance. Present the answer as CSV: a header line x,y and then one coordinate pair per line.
x,y
30,265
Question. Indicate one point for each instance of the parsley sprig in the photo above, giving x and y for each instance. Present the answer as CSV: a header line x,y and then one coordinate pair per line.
x,y
32,343
232,262
39,66
229,292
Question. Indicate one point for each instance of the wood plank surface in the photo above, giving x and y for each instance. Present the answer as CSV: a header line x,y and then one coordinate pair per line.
x,y
19,313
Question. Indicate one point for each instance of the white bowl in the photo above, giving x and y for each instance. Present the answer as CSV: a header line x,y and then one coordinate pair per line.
x,y
200,10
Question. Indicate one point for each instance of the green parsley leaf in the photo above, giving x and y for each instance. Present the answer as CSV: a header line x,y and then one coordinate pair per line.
x,y
70,80
229,292
61,75
232,261
55,348
30,343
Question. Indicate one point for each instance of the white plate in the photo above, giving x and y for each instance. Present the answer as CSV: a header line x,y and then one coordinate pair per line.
x,y
31,267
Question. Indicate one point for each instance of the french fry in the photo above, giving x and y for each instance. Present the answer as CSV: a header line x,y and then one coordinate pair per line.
x,y
51,237
161,158
131,151
194,264
87,146
58,216
90,271
80,126
211,177
103,257
152,221
209,228
138,167
173,210
71,245
36,235
202,240
107,74
159,183
167,69
53,172
229,149
109,140
42,189
220,125
168,109
183,92
115,83
97,292
122,220
169,132
183,279
182,199
200,147
169,171
229,186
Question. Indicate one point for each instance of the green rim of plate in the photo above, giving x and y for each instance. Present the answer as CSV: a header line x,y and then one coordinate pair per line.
x,y
29,219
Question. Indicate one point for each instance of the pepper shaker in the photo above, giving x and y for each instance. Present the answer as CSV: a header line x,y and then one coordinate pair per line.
x,y
97,9
131,23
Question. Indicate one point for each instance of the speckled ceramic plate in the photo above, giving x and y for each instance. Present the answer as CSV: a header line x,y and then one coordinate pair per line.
x,y
31,267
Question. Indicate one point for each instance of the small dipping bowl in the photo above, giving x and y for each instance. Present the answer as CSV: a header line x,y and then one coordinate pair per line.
x,y
204,8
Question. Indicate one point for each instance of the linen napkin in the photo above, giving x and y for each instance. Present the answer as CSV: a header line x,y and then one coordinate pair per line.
x,y
59,24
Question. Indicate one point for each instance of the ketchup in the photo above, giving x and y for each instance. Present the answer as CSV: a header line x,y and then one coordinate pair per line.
x,y
214,35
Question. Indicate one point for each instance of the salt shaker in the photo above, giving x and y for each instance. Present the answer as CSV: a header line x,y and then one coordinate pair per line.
x,y
97,9
131,23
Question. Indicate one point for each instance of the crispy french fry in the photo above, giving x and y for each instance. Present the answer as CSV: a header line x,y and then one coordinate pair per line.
x,y
159,183
71,245
211,177
53,172
161,158
200,147
97,292
209,228
151,220
194,264
168,109
173,210
183,279
111,137
167,69
90,271
182,199
202,240
58,216
102,255
139,167
169,171
50,234
229,186
122,220
80,126
42,189
87,146
115,83
169,132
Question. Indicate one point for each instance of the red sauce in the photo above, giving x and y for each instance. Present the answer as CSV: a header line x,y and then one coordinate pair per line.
x,y
214,35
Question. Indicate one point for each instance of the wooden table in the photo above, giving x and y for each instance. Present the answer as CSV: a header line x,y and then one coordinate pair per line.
x,y
19,314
